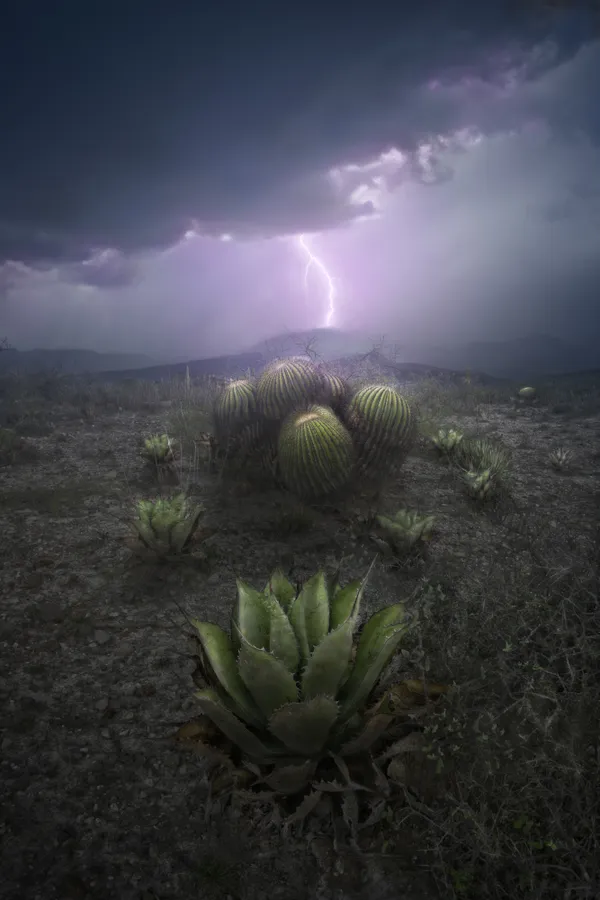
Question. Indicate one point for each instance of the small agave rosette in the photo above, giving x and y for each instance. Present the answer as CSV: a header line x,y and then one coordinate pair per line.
x,y
405,530
159,449
165,526
287,682
446,441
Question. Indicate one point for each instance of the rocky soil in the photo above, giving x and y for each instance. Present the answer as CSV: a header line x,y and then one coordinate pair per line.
x,y
98,800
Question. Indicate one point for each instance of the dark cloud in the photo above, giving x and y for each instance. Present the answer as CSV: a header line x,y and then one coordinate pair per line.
x,y
105,269
123,124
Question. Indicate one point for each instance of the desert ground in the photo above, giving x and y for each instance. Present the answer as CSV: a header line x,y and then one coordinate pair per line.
x,y
99,799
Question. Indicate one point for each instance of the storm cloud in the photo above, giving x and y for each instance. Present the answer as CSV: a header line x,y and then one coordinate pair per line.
x,y
448,179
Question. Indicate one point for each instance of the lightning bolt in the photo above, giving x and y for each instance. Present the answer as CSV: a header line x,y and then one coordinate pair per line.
x,y
312,260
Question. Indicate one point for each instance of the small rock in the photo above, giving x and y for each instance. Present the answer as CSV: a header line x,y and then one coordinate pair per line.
x,y
51,611
34,580
112,475
101,637
101,705
214,578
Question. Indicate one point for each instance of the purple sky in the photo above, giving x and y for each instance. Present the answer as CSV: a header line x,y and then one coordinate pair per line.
x,y
483,223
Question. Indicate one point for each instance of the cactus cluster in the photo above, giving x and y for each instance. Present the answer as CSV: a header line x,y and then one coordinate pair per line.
x,y
314,432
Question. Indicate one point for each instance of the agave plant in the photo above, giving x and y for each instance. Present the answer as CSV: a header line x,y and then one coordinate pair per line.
x,y
480,454
404,531
382,426
446,442
560,458
287,691
285,385
159,449
315,452
165,527
480,484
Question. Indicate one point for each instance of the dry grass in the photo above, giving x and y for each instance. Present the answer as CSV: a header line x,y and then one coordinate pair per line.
x,y
505,601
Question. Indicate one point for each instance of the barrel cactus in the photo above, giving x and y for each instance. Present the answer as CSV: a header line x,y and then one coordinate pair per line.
x,y
382,425
315,452
527,394
335,391
285,385
234,408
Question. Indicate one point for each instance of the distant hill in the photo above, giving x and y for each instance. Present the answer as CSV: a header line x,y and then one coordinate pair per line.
x,y
532,356
327,343
527,358
69,362
227,366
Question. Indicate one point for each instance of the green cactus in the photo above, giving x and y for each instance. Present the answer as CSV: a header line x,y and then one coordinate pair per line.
x,y
404,531
382,425
446,442
315,452
165,527
480,485
527,394
288,687
285,385
159,449
335,391
480,454
234,408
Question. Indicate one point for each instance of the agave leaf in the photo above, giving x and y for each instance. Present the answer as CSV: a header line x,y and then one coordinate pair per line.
x,y
304,809
291,779
251,617
282,641
232,727
333,582
330,787
414,742
304,726
396,772
346,601
267,678
218,653
328,664
379,639
371,732
309,614
283,589
183,531
350,812
211,754
378,810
